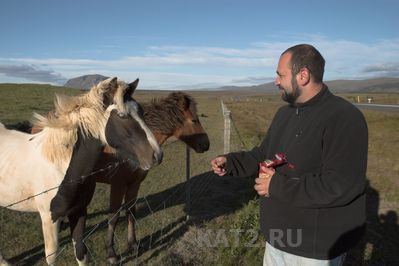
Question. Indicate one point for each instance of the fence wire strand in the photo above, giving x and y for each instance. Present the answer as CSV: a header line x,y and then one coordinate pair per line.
x,y
111,170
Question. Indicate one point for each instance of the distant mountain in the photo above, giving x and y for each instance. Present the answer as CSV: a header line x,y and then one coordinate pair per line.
x,y
84,82
366,85
267,87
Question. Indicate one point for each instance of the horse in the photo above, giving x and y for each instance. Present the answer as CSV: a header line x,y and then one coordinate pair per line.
x,y
50,172
175,115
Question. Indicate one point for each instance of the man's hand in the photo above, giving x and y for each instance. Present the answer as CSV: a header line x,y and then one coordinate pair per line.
x,y
262,182
219,165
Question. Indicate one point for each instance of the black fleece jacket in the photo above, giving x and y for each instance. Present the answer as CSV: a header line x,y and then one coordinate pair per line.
x,y
316,206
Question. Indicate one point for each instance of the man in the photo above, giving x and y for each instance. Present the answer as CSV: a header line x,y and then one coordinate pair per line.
x,y
312,208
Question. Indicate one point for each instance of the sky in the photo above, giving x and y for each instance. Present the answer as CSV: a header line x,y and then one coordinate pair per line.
x,y
185,44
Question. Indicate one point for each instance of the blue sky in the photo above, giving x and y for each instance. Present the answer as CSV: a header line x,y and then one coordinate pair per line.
x,y
193,44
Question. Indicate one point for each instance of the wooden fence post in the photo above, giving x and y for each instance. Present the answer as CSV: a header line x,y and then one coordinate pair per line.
x,y
227,128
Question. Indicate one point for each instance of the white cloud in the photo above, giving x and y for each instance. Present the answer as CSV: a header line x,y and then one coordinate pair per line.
x,y
381,70
170,66
31,72
253,80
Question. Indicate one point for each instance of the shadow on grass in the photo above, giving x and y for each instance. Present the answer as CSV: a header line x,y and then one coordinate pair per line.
x,y
36,254
205,197
212,196
380,244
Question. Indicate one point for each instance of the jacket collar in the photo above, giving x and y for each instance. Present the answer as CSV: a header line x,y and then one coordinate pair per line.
x,y
322,94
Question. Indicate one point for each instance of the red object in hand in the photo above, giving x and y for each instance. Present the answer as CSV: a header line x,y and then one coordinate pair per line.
x,y
279,160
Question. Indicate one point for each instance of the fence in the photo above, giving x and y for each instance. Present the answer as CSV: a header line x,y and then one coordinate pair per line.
x,y
227,127
162,210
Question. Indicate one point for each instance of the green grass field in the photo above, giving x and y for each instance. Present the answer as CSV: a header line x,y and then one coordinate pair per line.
x,y
218,207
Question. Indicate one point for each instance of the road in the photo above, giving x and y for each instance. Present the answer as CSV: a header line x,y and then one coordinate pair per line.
x,y
379,107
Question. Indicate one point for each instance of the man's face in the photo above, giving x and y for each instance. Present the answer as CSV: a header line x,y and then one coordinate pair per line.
x,y
287,83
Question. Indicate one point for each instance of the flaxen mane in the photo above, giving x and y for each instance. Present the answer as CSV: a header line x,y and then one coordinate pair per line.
x,y
72,113
165,114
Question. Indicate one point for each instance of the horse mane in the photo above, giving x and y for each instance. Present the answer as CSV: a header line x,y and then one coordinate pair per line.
x,y
72,113
164,115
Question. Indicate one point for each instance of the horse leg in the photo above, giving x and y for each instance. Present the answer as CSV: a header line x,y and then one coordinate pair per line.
x,y
50,234
130,198
116,198
77,221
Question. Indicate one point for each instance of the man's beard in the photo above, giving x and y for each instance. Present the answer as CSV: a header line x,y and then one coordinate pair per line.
x,y
293,95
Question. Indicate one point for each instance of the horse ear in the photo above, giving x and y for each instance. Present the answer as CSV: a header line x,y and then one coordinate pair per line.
x,y
109,91
113,81
187,102
132,87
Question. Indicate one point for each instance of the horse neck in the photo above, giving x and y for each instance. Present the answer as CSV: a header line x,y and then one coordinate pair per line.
x,y
55,147
161,137
161,123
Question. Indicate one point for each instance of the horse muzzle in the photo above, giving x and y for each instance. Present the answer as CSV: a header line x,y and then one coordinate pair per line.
x,y
147,164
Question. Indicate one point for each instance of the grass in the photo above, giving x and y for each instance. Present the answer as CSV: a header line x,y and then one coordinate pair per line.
x,y
378,98
218,206
18,102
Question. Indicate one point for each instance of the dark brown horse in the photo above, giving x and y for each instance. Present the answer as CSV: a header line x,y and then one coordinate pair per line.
x,y
175,115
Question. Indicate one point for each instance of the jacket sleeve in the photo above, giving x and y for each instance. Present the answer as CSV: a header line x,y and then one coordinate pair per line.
x,y
245,163
343,171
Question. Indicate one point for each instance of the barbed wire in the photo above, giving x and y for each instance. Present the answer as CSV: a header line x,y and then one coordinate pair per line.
x,y
238,134
152,210
80,180
111,170
130,206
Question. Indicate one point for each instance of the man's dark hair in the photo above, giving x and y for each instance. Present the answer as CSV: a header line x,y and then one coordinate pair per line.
x,y
305,55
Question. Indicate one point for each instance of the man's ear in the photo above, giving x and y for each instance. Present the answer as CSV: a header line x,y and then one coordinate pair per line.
x,y
303,77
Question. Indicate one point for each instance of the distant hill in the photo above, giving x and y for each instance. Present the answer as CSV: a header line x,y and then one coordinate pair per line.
x,y
84,82
366,85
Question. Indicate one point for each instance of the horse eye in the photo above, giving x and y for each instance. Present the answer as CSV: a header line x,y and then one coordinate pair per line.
x,y
195,121
122,115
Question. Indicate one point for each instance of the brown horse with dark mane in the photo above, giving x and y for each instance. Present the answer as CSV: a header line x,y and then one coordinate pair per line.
x,y
175,115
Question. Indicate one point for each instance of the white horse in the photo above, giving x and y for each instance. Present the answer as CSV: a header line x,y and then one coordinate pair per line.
x,y
45,172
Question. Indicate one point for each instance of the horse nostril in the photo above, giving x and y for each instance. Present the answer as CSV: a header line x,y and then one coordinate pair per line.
x,y
205,146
